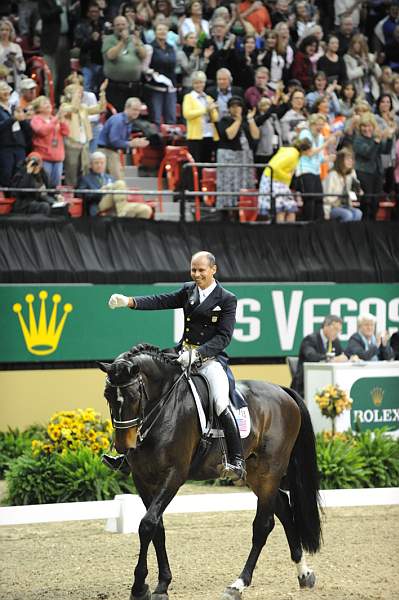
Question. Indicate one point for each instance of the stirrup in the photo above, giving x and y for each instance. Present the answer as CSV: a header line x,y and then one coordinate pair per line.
x,y
234,472
116,463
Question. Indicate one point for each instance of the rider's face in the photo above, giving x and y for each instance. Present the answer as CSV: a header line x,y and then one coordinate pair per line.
x,y
201,271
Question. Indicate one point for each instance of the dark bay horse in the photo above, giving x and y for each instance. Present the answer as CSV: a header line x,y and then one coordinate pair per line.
x,y
156,423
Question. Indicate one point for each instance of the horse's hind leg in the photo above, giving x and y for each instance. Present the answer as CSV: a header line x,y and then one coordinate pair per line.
x,y
306,577
261,528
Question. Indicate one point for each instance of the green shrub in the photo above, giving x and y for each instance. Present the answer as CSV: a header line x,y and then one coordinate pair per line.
x,y
381,454
32,480
69,477
341,464
13,443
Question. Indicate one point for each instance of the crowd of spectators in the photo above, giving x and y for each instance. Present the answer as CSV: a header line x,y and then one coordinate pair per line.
x,y
246,77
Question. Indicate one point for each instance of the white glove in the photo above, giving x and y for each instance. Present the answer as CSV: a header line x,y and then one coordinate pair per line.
x,y
118,301
184,358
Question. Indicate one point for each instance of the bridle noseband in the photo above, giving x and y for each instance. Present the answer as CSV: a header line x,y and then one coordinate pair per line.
x,y
127,424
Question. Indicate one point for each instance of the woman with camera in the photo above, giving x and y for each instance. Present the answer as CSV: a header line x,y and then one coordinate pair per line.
x,y
31,174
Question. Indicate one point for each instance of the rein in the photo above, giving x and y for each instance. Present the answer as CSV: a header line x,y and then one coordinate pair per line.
x,y
140,422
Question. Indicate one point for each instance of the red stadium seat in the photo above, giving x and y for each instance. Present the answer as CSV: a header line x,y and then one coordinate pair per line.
x,y
5,204
75,207
248,206
384,210
208,184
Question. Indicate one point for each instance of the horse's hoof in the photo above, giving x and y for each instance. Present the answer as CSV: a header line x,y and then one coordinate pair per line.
x,y
145,595
307,581
159,596
231,594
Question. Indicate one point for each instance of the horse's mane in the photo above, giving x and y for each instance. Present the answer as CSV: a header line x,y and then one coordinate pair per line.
x,y
149,350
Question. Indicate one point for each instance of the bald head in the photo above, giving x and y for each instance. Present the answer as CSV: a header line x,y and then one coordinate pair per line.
x,y
203,269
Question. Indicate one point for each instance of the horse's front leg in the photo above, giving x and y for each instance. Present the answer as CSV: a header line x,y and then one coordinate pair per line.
x,y
151,529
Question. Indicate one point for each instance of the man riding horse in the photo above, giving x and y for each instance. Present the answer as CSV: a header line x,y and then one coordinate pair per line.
x,y
209,319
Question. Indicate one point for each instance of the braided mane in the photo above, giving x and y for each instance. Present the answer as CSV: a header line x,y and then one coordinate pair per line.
x,y
149,350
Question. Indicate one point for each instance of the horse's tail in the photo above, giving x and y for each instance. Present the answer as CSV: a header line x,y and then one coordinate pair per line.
x,y
304,481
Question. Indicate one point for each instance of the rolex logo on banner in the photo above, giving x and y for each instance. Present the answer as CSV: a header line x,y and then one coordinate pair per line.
x,y
375,403
42,331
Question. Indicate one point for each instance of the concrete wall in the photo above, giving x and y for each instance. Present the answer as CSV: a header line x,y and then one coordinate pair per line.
x,y
28,397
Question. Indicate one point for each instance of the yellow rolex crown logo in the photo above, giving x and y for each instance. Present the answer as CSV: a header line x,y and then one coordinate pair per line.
x,y
377,395
43,335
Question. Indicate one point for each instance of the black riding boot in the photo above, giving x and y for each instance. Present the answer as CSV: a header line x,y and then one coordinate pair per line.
x,y
235,468
116,463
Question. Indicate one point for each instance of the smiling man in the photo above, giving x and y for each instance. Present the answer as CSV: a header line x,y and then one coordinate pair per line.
x,y
209,319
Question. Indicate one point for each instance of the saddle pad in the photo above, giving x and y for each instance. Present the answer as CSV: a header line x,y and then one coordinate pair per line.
x,y
241,414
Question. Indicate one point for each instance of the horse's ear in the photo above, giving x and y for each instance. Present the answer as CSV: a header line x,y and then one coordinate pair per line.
x,y
104,366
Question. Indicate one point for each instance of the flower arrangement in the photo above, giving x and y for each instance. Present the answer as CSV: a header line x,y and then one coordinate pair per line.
x,y
73,430
332,401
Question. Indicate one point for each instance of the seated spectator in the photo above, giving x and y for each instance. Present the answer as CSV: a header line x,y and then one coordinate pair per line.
x,y
15,135
347,99
116,134
11,53
48,133
260,89
369,143
77,143
27,92
284,47
283,165
223,91
331,63
362,68
343,182
294,117
344,33
119,204
194,23
123,54
95,179
394,343
302,68
392,51
161,88
238,134
322,345
366,344
280,12
30,174
14,96
200,112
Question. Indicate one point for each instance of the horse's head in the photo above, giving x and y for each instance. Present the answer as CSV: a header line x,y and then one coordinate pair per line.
x,y
124,391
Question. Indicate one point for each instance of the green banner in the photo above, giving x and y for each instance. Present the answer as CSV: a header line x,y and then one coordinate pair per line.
x,y
375,403
73,322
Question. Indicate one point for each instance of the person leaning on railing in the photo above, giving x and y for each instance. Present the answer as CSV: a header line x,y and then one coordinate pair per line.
x,y
276,180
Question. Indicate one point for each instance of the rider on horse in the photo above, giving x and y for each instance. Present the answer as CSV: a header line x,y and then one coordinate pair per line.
x,y
209,319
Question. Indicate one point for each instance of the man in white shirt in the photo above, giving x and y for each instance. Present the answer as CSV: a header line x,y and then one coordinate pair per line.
x,y
209,319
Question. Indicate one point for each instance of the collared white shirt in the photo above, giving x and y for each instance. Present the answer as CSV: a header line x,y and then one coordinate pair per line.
x,y
207,129
203,294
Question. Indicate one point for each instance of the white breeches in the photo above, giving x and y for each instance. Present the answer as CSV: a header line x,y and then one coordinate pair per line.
x,y
218,383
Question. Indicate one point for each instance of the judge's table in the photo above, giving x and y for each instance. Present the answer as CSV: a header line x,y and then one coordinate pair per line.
x,y
373,387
